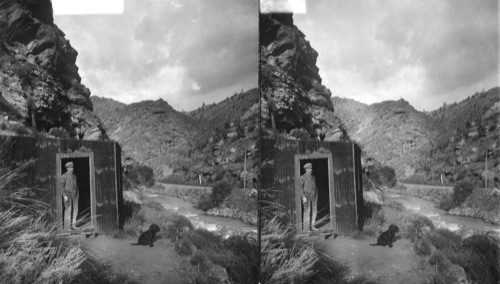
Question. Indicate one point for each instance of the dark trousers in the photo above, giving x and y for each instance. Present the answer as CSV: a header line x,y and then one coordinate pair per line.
x,y
310,210
70,212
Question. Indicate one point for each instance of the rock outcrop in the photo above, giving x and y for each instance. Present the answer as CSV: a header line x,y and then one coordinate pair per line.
x,y
208,143
468,147
293,100
449,144
39,80
391,132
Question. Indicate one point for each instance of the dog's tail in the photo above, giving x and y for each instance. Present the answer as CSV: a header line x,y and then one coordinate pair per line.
x,y
375,245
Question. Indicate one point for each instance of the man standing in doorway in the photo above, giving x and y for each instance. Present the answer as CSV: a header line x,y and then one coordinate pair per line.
x,y
309,195
69,190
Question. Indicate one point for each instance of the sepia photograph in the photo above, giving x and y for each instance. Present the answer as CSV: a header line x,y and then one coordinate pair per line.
x,y
380,154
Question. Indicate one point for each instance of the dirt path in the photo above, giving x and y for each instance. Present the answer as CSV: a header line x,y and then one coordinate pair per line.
x,y
159,264
140,264
382,264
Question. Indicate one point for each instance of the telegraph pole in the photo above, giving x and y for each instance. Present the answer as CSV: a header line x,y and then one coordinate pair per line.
x,y
486,171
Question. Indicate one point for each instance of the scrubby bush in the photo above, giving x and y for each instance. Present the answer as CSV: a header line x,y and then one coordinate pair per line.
x,y
423,247
446,241
238,254
220,191
183,247
483,263
416,225
373,224
239,199
200,259
137,175
134,223
203,239
369,209
381,176
447,203
246,267
176,225
205,203
479,254
461,191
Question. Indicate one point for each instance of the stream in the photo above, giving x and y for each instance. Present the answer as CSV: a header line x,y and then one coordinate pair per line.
x,y
439,217
229,226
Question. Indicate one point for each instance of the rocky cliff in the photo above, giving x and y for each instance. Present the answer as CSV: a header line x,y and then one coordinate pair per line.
x,y
39,80
469,142
210,142
453,142
391,132
150,132
293,100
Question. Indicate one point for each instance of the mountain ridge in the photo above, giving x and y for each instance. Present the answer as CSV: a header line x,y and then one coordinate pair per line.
x,y
206,143
427,144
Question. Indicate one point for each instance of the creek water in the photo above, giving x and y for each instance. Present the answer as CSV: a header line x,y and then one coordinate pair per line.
x,y
198,217
440,218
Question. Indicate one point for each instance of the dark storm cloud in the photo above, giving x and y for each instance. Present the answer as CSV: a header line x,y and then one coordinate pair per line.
x,y
168,49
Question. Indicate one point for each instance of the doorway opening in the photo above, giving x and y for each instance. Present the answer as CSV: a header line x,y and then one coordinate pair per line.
x,y
321,172
82,170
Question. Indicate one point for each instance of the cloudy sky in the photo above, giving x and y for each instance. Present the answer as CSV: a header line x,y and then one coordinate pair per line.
x,y
187,52
427,52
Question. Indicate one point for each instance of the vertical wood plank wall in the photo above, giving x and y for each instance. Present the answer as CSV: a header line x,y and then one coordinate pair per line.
x,y
278,170
42,174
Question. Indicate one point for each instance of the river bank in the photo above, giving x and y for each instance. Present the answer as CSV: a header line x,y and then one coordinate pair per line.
x,y
441,218
483,203
240,204
198,217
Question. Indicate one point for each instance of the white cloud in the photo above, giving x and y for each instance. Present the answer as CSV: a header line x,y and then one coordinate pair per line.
x,y
181,51
422,51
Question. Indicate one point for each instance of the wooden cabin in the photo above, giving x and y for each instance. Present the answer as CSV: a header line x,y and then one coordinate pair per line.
x,y
97,167
337,168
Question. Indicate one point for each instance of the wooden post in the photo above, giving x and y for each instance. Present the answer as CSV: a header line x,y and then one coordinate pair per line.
x,y
486,171
31,108
245,171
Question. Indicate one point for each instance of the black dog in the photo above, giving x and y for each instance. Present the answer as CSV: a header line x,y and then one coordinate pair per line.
x,y
148,237
387,237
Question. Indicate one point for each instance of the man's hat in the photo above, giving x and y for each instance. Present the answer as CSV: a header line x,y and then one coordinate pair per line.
x,y
308,166
69,164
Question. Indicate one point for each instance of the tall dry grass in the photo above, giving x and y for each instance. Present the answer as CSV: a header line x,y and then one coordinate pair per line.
x,y
30,249
286,257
